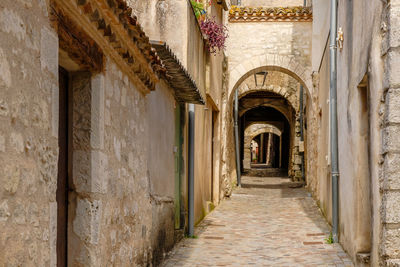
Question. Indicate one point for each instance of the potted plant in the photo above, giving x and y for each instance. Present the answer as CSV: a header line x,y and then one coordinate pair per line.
x,y
199,9
215,33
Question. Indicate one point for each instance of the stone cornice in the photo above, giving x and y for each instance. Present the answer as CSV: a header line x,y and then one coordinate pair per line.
x,y
273,14
111,25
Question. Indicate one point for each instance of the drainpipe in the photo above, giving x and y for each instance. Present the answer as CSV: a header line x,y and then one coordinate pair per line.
x,y
191,171
303,176
302,127
237,139
333,122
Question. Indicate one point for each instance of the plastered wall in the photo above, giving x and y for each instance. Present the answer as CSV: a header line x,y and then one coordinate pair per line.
x,y
174,23
359,197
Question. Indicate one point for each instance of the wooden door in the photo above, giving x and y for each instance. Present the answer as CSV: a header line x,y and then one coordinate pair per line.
x,y
62,180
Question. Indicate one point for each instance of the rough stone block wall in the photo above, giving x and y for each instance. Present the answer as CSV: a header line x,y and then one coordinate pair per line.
x,y
277,82
28,147
113,218
248,40
136,226
390,207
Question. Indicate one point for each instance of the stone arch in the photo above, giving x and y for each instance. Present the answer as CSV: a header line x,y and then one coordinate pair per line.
x,y
285,92
286,113
237,74
283,63
250,133
258,128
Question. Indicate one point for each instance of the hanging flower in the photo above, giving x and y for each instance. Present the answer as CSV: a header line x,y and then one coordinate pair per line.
x,y
216,34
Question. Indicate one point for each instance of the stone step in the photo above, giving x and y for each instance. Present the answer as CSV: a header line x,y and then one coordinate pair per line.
x,y
266,172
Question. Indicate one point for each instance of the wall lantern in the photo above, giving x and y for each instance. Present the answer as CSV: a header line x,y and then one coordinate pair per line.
x,y
260,76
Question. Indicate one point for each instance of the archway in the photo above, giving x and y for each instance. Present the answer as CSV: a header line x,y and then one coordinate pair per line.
x,y
251,133
268,158
288,92
275,122
270,62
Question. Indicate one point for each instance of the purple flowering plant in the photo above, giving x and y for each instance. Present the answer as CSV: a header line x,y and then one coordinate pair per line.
x,y
216,34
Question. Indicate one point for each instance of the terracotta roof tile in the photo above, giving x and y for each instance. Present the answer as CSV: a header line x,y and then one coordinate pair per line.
x,y
260,14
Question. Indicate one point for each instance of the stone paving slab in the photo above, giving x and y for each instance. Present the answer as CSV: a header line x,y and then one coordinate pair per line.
x,y
264,223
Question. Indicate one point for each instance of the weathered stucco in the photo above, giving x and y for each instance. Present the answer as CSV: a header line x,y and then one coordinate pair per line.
x,y
168,21
360,109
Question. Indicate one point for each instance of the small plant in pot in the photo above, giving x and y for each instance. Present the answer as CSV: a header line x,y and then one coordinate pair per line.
x,y
199,9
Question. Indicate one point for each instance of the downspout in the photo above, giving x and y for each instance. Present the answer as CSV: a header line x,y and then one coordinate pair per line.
x,y
302,129
333,121
303,175
191,172
236,128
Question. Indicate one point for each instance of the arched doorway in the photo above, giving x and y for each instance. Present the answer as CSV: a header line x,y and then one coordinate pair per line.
x,y
277,137
265,151
272,155
278,89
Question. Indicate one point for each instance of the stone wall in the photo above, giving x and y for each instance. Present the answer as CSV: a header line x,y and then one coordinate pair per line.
x,y
271,46
118,213
389,179
361,90
28,143
258,39
121,208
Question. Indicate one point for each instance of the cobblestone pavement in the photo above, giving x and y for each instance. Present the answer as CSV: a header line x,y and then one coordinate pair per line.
x,y
264,223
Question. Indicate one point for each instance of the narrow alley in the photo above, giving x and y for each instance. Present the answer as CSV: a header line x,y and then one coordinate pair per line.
x,y
264,223
199,133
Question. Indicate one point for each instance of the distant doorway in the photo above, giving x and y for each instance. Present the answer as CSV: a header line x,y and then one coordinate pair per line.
x,y
265,151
